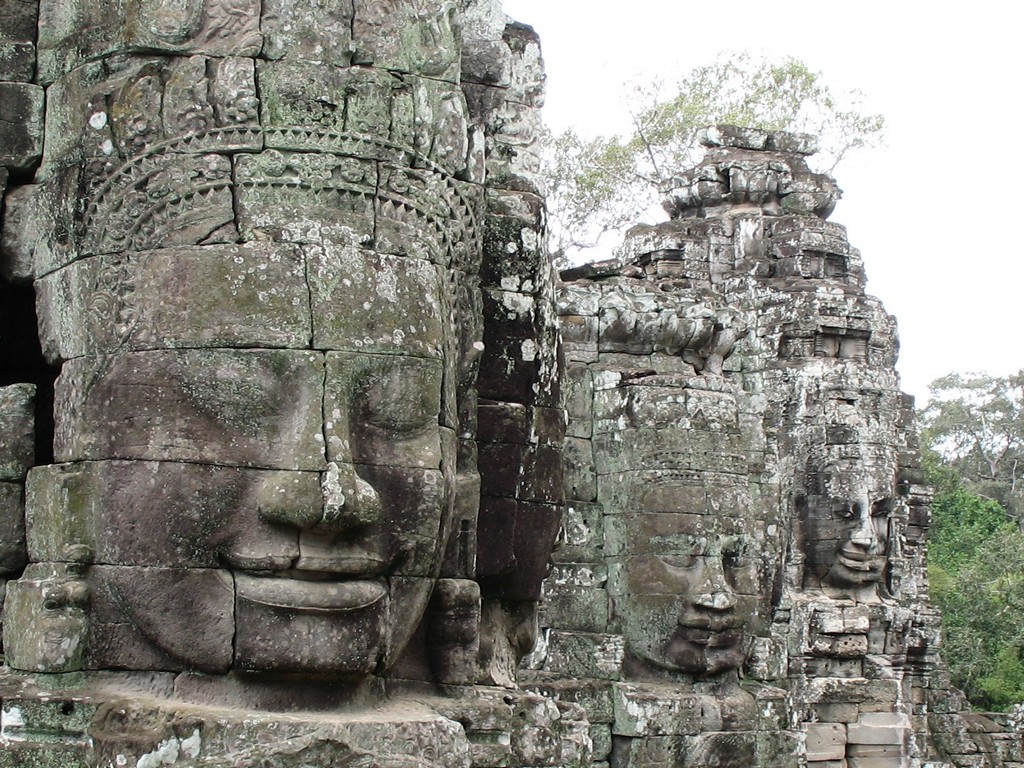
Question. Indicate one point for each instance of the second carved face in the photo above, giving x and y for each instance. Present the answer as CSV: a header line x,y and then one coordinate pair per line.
x,y
845,521
689,577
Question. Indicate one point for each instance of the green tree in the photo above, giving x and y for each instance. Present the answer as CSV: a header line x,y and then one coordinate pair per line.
x,y
976,570
974,423
606,183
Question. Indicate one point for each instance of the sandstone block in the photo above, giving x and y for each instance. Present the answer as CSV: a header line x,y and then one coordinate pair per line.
x,y
584,534
252,295
17,430
574,608
370,302
21,124
13,552
585,655
160,619
644,711
17,58
64,44
825,741
44,619
165,514
255,408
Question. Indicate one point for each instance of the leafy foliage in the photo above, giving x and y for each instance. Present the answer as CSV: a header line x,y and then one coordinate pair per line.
x,y
974,433
975,424
606,183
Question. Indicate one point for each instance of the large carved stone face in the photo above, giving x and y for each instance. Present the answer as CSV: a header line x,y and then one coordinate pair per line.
x,y
846,524
690,576
255,420
263,509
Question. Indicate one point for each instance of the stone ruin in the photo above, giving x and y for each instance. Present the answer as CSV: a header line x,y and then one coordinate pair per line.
x,y
298,468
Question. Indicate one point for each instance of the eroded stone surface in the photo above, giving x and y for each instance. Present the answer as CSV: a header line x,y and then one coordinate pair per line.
x,y
310,446
260,239
743,492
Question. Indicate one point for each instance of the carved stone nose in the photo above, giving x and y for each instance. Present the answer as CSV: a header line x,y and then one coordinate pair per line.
x,y
349,501
336,500
716,601
864,533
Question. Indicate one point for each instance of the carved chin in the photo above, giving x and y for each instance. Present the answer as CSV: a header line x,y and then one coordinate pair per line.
x,y
703,652
340,636
856,573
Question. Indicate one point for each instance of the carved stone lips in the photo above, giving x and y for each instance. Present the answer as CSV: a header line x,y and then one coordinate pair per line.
x,y
712,637
857,559
314,591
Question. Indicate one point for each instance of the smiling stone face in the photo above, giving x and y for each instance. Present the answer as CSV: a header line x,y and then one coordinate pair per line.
x,y
845,520
683,526
259,310
293,504
689,575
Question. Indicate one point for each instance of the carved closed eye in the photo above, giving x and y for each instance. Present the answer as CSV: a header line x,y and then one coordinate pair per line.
x,y
399,401
685,559
881,508
844,511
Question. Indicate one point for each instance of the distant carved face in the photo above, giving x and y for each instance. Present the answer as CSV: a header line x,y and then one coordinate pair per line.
x,y
273,510
690,577
846,524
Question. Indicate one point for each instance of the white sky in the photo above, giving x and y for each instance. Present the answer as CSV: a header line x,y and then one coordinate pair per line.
x,y
932,211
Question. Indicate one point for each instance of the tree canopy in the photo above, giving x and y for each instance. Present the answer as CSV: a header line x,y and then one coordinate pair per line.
x,y
602,184
975,424
974,441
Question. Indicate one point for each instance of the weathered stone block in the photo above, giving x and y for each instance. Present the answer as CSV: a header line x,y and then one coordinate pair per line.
x,y
17,430
594,696
252,295
574,608
503,423
244,407
368,302
301,197
13,552
17,58
542,479
580,473
584,655
71,34
515,572
64,719
584,534
160,618
167,514
34,755
21,124
44,619
300,35
386,410
825,741
391,35
578,398
655,710
19,19
272,636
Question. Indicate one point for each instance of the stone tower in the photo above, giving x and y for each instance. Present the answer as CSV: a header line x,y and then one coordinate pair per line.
x,y
743,580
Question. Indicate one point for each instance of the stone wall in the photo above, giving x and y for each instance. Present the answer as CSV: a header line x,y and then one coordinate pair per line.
x,y
298,494
744,579
289,262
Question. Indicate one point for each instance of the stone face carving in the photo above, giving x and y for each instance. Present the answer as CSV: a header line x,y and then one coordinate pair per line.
x,y
845,519
268,245
695,571
310,446
745,527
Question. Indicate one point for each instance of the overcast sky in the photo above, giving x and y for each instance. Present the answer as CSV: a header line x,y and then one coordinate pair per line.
x,y
932,211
